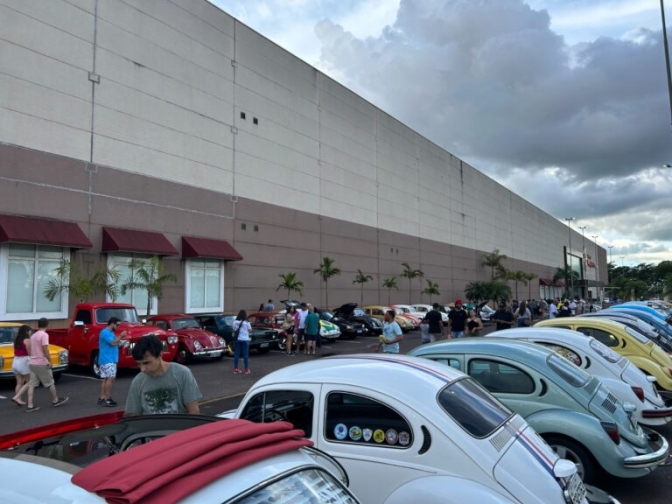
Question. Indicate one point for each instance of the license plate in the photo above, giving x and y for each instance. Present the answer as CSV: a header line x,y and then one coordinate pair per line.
x,y
216,354
359,331
263,345
575,489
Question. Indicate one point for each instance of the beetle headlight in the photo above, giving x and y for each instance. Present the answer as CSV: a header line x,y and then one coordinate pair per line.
x,y
197,345
172,339
63,357
222,342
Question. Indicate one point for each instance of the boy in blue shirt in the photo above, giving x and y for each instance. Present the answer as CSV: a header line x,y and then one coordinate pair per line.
x,y
108,357
392,334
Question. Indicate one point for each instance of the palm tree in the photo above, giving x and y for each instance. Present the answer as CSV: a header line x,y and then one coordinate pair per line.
x,y
517,276
326,271
147,275
389,284
478,291
291,284
411,273
361,279
70,277
499,291
494,261
431,290
565,274
529,277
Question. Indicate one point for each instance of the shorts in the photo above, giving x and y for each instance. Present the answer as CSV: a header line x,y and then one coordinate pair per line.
x,y
311,337
41,374
21,365
108,370
457,334
300,334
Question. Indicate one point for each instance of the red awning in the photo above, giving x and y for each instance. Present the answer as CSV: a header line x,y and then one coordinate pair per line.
x,y
132,240
206,247
545,281
17,229
560,283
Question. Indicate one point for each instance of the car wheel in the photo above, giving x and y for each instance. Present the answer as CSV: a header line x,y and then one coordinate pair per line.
x,y
282,344
183,355
574,452
264,350
94,367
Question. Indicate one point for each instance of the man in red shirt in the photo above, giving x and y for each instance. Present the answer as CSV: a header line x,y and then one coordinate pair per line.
x,y
40,367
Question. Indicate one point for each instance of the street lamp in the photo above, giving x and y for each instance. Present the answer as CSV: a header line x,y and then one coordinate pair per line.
x,y
569,255
622,257
667,58
597,267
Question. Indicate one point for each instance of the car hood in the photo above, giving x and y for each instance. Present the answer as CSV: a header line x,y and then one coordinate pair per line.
x,y
134,331
205,338
345,310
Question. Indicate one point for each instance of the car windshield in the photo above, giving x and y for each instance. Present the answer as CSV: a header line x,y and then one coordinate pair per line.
x,y
604,351
569,372
327,315
637,335
358,312
185,323
471,406
225,320
8,334
123,314
308,486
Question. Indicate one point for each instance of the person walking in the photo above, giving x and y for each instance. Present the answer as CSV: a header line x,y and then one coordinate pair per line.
x,y
40,367
269,307
523,315
392,334
474,324
288,326
21,363
435,321
241,344
553,309
503,317
108,357
161,387
457,318
312,328
303,313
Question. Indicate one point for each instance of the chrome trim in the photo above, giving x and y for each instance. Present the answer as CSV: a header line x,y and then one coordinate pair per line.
x,y
649,459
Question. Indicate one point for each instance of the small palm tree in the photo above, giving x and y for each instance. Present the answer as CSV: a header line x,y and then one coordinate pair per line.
x,y
70,277
494,261
499,291
361,279
411,273
529,276
290,284
326,271
147,275
478,291
389,284
517,276
432,289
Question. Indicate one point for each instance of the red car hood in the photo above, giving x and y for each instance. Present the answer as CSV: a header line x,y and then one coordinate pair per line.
x,y
205,338
134,331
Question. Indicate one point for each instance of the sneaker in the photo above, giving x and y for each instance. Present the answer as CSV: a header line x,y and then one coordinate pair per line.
x,y
237,371
60,401
30,410
247,371
110,403
100,401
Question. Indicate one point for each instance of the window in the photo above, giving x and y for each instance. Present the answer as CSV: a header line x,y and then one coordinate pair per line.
x,y
293,406
204,285
83,316
606,353
28,269
572,374
356,419
565,352
454,363
500,377
637,335
602,336
121,261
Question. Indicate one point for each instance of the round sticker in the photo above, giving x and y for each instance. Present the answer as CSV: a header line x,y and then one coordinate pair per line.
x,y
341,431
355,433
378,436
367,433
404,438
391,436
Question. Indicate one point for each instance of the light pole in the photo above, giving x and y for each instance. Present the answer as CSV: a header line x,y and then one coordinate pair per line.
x,y
622,257
583,256
667,56
569,255
597,267
610,247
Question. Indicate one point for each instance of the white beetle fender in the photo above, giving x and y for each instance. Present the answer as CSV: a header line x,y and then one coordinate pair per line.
x,y
445,490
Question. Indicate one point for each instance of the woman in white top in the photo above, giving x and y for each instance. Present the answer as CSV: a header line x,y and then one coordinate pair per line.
x,y
241,344
523,315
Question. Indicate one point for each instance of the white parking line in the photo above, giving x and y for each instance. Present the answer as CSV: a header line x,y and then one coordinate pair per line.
x,y
80,376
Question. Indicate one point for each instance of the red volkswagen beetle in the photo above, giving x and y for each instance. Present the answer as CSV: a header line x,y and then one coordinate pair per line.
x,y
194,341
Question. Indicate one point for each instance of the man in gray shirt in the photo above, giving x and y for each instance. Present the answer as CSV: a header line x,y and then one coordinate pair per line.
x,y
161,387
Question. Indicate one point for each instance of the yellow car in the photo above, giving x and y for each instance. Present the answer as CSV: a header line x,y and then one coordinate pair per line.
x,y
634,346
57,355
379,313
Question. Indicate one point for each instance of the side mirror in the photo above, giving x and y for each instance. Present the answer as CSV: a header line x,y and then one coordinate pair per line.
x,y
78,323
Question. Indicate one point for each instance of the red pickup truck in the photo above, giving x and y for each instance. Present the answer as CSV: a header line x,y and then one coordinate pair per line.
x,y
81,337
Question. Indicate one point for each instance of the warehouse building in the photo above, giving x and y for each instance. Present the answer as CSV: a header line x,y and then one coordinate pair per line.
x,y
132,128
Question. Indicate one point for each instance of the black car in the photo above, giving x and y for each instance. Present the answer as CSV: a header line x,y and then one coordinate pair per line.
x,y
352,314
349,329
222,324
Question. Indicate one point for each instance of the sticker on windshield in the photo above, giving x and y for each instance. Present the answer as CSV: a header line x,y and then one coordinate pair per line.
x,y
355,433
367,433
391,436
378,436
341,431
404,438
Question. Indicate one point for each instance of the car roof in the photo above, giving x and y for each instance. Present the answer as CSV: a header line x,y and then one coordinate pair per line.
x,y
597,321
404,377
10,324
558,334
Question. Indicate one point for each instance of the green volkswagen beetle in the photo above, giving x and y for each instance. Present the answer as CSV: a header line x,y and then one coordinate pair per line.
x,y
569,408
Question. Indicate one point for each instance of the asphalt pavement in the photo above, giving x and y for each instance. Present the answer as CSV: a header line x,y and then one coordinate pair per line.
x,y
222,391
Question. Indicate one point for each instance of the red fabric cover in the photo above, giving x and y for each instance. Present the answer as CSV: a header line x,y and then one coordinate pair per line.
x,y
18,229
173,467
207,247
133,240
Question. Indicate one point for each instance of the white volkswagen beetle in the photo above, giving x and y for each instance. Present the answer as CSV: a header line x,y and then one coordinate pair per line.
x,y
409,430
624,379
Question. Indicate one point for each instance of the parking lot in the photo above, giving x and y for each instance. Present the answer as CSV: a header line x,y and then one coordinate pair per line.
x,y
222,390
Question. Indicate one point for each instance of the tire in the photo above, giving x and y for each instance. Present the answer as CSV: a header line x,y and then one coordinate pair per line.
x,y
183,355
571,450
93,366
282,344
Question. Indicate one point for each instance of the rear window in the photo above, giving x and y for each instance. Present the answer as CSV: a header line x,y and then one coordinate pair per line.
x,y
473,408
637,335
605,352
569,372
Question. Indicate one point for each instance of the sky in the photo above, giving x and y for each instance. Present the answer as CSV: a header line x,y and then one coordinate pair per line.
x,y
564,102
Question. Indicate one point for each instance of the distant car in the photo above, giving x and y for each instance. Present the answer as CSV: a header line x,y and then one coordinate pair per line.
x,y
352,313
58,356
662,327
423,309
573,411
620,376
647,309
640,350
193,340
660,338
349,329
407,430
192,459
409,313
378,311
221,324
328,330
484,311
